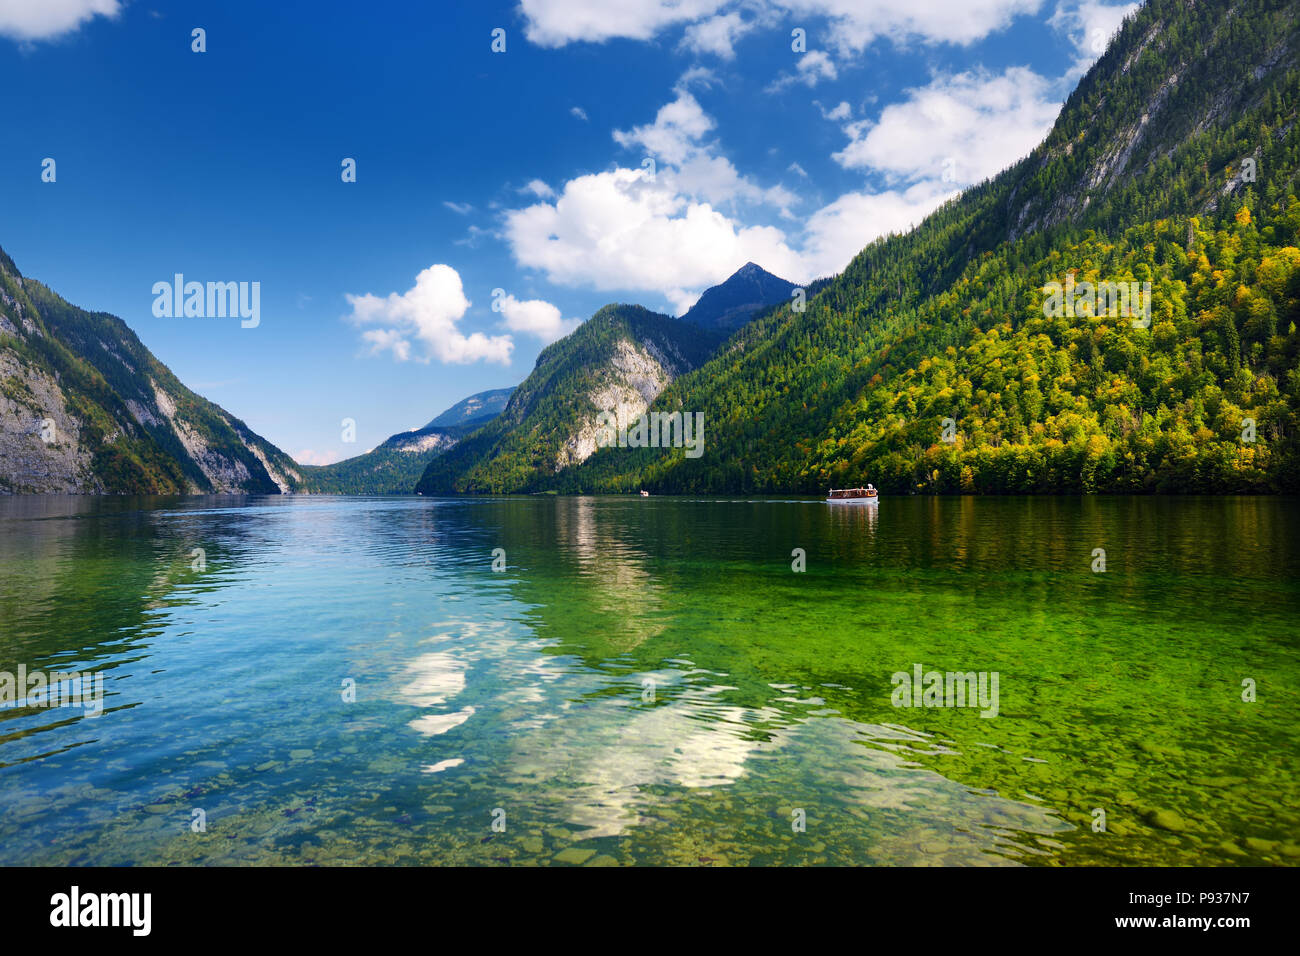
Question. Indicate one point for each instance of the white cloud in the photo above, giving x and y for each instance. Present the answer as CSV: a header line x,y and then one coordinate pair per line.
x,y
839,113
1090,26
813,67
855,24
717,35
309,457
460,208
798,170
852,24
553,23
46,19
673,135
538,189
971,126
426,314
693,168
677,233
579,112
536,317
697,75
617,230
838,232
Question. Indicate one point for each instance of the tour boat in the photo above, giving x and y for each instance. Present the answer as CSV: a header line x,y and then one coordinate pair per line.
x,y
853,496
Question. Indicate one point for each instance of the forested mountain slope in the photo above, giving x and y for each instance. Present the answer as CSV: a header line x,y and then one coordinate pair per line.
x,y
618,360
85,408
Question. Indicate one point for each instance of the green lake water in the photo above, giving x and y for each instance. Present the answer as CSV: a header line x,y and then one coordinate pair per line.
x,y
647,681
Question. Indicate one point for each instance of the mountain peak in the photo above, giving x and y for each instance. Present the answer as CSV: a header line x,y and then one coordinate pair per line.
x,y
728,306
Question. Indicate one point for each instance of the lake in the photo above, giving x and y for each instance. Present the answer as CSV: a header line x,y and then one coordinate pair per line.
x,y
314,680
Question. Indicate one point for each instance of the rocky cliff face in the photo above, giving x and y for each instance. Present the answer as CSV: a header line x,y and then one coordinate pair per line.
x,y
619,361
636,374
85,408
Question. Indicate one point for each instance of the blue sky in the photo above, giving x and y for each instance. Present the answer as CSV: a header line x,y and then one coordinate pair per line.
x,y
523,171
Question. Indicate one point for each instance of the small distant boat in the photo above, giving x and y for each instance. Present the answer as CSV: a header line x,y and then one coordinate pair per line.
x,y
644,493
853,496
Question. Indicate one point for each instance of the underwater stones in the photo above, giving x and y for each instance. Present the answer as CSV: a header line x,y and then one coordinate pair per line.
x,y
1159,750
1218,783
531,844
1168,820
603,860
574,855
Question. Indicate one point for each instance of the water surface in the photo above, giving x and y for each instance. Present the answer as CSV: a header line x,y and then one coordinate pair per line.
x,y
649,682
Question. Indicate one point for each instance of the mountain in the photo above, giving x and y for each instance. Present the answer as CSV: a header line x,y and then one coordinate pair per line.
x,y
478,409
726,307
620,359
395,466
391,468
937,361
87,409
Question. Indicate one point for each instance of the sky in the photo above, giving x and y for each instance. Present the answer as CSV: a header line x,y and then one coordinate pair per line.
x,y
517,166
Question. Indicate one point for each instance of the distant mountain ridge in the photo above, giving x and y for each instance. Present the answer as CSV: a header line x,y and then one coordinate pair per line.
x,y
479,408
396,464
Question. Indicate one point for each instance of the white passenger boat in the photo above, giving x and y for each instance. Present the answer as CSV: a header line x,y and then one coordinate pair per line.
x,y
853,496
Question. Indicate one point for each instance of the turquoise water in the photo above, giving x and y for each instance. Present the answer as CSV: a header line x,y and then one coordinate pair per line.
x,y
649,681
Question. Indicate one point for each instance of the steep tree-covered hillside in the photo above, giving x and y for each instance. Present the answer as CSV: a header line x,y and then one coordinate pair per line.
x,y
621,358
86,408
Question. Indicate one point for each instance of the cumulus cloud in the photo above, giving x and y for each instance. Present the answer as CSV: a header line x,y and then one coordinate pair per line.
x,y
717,35
693,166
579,112
697,75
969,126
813,67
536,317
538,189
553,23
839,231
852,24
310,457
459,208
421,322
618,230
841,112
47,19
676,232
855,24
675,131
